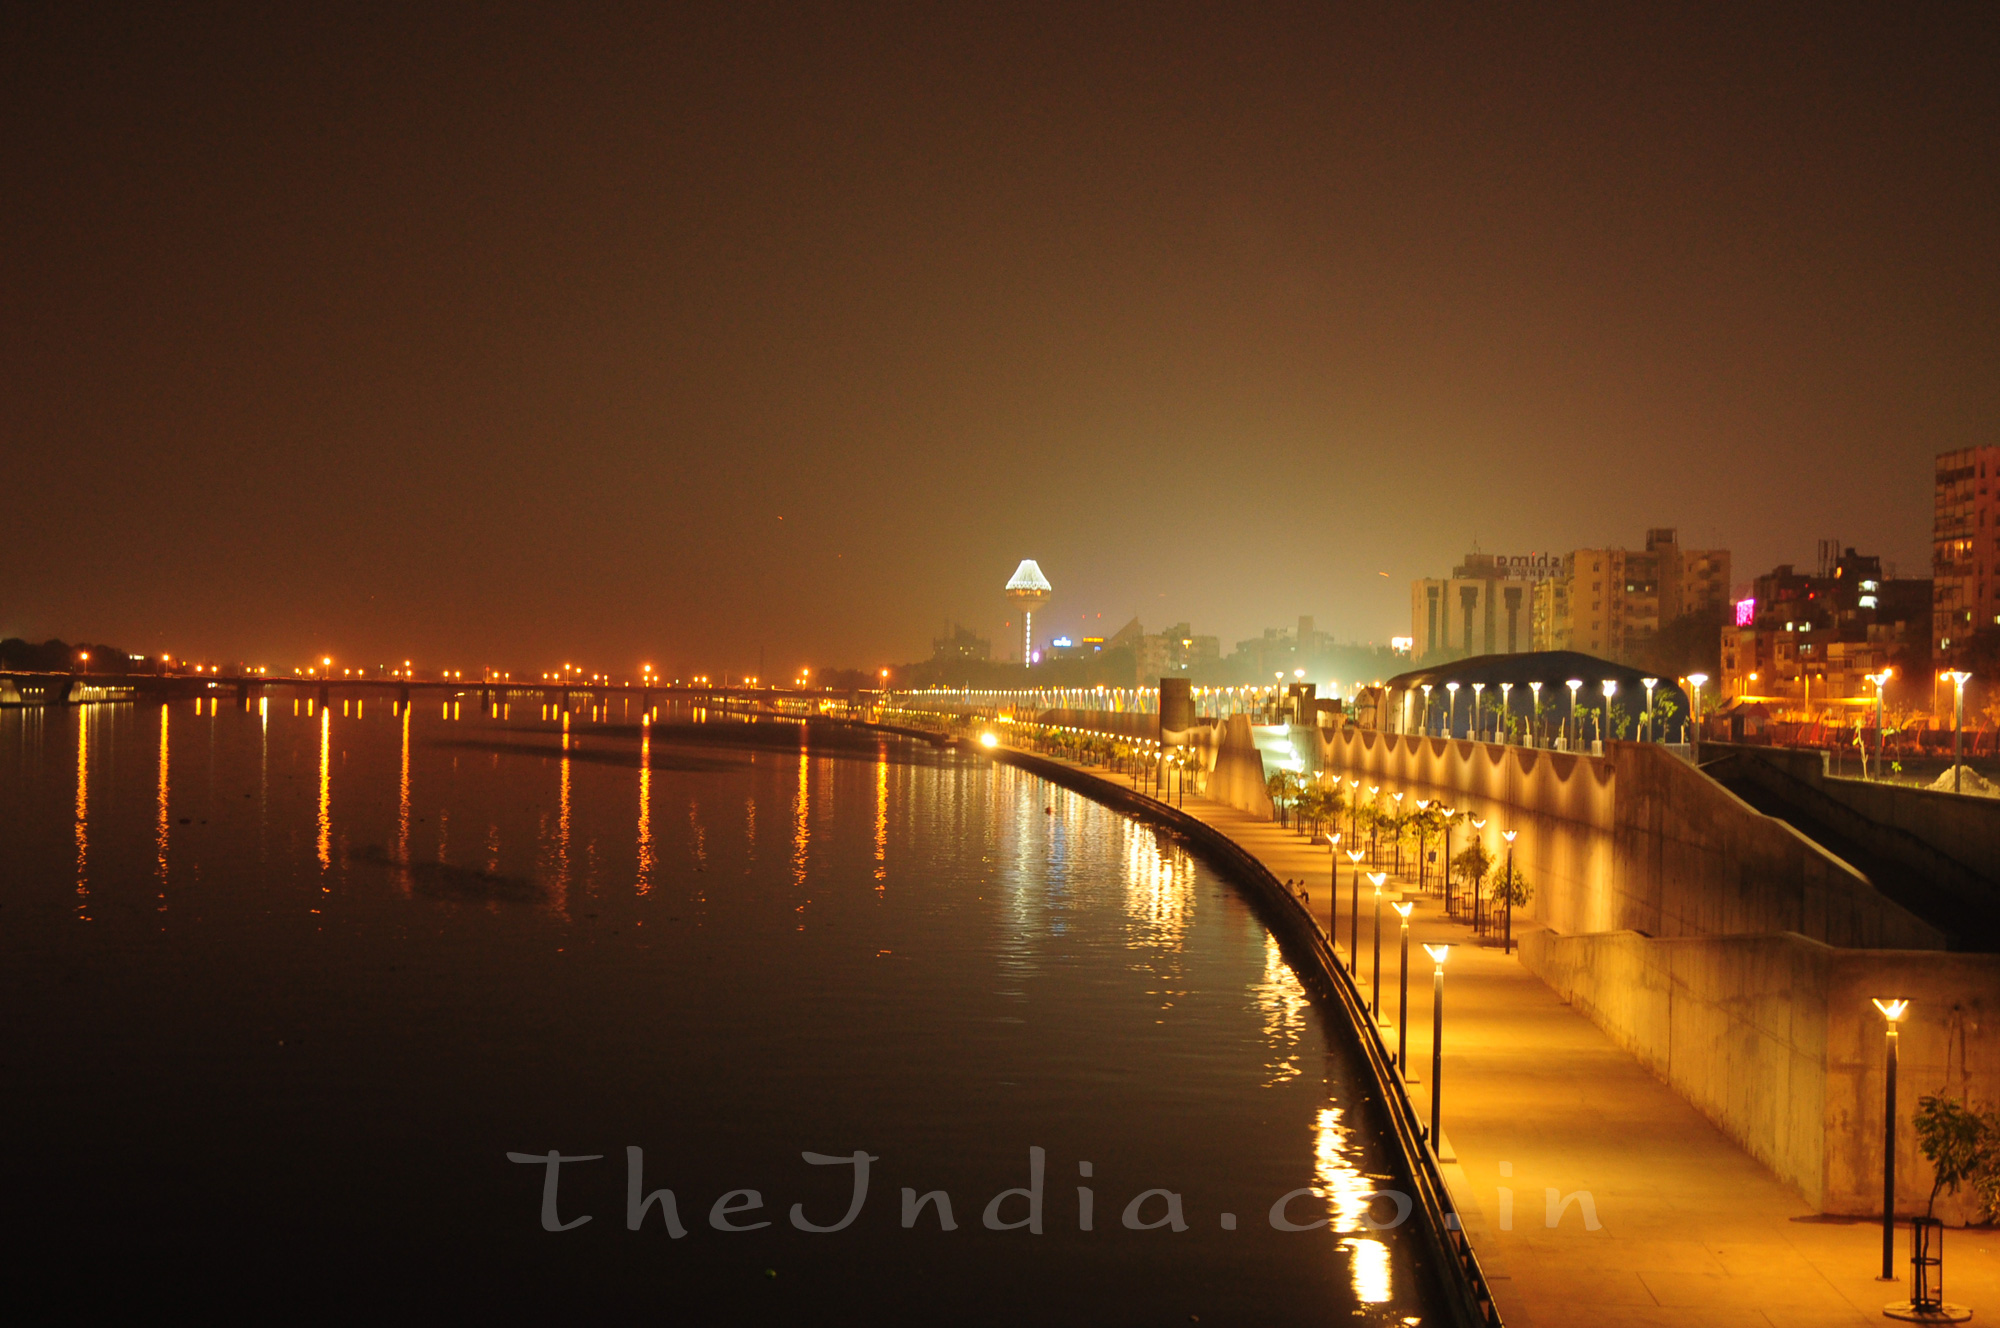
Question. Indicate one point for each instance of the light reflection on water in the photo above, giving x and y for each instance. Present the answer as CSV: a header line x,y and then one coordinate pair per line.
x,y
1042,965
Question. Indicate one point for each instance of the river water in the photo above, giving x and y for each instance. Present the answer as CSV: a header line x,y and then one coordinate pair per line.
x,y
289,992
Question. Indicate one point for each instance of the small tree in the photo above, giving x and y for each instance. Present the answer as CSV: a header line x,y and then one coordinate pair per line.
x,y
1472,863
1963,1145
1281,785
1511,886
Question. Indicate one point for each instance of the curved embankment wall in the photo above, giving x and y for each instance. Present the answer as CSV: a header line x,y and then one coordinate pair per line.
x,y
1731,955
1637,840
1468,1300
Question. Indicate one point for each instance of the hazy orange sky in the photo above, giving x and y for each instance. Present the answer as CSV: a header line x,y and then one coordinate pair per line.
x,y
496,334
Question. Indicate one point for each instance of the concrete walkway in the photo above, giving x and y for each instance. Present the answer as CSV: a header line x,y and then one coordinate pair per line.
x,y
1688,1229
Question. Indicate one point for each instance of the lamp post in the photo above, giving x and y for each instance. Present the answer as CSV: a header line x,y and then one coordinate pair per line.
x,y
1508,935
1650,684
1478,912
1374,826
1423,806
1879,679
1425,723
1892,1014
1959,677
1354,916
1449,812
1438,953
1375,1006
1451,711
1399,830
1604,720
1332,874
1695,680
1535,720
1477,724
1575,685
1506,711
1403,908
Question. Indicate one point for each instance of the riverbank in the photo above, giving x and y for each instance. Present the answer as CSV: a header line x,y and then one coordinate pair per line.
x,y
1658,1217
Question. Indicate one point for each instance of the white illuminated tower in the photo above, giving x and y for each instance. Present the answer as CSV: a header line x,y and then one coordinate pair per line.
x,y
1029,590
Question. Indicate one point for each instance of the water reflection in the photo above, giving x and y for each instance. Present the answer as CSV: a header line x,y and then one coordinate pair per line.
x,y
801,826
1030,946
83,721
403,881
881,817
1348,1194
160,814
325,796
644,884
562,822
1159,890
1282,1001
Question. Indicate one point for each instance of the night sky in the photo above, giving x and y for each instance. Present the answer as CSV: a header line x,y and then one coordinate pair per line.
x,y
508,336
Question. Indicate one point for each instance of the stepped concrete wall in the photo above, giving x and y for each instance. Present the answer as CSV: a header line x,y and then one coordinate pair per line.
x,y
1730,954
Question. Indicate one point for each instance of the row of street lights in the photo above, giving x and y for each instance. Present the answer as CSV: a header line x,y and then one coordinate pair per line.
x,y
1608,687
1925,1297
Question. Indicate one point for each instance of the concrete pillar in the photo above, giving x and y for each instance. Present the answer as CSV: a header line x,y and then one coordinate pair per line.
x,y
1176,709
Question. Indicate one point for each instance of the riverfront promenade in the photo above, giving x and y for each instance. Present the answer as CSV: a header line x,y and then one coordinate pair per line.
x,y
1691,1230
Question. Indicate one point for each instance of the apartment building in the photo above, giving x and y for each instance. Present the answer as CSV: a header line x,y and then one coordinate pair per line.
x,y
1965,548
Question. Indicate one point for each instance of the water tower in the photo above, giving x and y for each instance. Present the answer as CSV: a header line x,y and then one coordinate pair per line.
x,y
1029,590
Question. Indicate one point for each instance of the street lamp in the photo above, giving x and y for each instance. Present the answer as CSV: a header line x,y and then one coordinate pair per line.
x,y
1508,835
1575,685
1893,1010
1477,688
1879,679
1423,806
1399,830
1447,813
1650,683
1426,725
1403,909
1604,720
1438,954
1451,711
1959,677
1375,1006
1354,916
1535,724
1506,710
1374,795
1478,912
1695,680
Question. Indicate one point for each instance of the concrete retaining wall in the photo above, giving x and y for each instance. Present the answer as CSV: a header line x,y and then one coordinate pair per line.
x,y
1730,954
1775,1039
1636,840
1961,826
1236,778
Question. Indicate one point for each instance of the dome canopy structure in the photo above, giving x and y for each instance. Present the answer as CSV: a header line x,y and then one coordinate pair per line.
x,y
1029,590
1545,674
1028,576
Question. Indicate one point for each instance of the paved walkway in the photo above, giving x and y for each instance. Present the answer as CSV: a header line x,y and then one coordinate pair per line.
x,y
1689,1230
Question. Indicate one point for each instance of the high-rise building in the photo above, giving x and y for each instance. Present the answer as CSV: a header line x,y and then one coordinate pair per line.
x,y
1965,548
1486,606
1620,598
961,643
1604,602
1817,638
